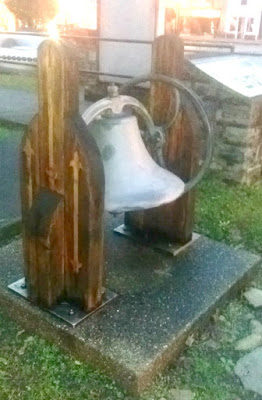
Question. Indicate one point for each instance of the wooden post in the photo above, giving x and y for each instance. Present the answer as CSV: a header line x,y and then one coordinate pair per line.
x,y
62,190
174,221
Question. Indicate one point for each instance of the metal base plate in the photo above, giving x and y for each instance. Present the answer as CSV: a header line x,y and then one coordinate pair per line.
x,y
161,245
69,313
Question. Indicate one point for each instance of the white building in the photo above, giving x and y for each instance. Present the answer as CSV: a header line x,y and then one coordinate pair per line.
x,y
242,18
140,20
127,20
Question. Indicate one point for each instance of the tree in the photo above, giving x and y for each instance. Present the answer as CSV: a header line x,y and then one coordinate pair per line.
x,y
33,14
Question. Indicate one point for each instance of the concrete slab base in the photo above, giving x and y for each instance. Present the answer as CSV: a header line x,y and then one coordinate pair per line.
x,y
161,300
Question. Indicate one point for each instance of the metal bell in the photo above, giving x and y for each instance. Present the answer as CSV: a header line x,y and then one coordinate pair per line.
x,y
133,180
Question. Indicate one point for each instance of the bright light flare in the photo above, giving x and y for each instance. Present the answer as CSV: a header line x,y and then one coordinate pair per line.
x,y
52,30
208,13
82,13
7,19
194,8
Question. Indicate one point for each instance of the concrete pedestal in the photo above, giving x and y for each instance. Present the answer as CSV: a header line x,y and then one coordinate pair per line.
x,y
161,300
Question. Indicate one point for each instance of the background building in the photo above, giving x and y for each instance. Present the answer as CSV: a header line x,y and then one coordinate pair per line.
x,y
142,20
241,19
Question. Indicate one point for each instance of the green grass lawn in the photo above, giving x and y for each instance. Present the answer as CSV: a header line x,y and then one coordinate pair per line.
x,y
18,82
230,213
33,369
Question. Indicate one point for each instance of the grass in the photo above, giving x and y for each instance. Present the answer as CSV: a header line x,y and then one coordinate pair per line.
x,y
18,82
33,369
230,213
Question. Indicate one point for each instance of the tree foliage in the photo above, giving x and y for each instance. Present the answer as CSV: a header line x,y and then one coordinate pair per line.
x,y
33,14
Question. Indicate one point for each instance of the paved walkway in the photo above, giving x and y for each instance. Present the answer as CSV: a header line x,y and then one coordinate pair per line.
x,y
17,105
20,106
9,176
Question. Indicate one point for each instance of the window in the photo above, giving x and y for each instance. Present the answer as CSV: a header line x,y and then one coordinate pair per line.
x,y
250,25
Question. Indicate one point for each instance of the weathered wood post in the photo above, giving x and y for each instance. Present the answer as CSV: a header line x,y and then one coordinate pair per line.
x,y
173,221
62,191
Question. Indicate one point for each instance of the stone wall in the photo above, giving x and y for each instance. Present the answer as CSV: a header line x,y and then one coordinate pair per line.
x,y
237,124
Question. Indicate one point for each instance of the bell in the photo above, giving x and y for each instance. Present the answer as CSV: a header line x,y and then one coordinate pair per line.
x,y
133,180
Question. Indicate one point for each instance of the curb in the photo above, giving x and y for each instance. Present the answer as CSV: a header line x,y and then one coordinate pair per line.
x,y
10,231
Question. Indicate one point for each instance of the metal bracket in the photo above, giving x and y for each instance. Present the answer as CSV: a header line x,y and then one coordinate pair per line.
x,y
161,245
69,313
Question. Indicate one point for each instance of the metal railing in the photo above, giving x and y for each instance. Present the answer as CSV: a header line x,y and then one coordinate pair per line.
x,y
7,58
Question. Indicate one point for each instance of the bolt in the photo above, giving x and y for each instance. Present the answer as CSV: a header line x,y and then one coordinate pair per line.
x,y
71,312
112,90
23,286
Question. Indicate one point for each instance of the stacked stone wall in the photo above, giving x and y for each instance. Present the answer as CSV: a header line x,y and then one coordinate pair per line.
x,y
237,124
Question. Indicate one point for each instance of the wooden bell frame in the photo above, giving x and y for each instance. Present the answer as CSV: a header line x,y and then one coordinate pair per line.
x,y
170,227
62,186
